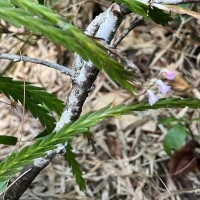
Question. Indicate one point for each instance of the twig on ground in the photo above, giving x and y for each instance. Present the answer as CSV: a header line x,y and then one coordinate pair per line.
x,y
162,182
16,58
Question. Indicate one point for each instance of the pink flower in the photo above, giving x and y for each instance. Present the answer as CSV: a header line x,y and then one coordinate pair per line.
x,y
152,97
162,87
169,74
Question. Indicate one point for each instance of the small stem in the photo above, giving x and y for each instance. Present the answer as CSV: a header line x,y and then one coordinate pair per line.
x,y
16,58
149,85
173,2
128,30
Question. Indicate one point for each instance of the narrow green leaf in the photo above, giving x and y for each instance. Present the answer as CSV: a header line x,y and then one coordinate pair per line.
x,y
174,139
41,2
8,174
5,3
147,11
8,140
70,157
38,101
37,9
40,19
7,162
3,185
196,119
167,120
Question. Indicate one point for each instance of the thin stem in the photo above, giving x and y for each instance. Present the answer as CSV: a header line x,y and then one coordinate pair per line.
x,y
128,30
173,2
23,112
16,58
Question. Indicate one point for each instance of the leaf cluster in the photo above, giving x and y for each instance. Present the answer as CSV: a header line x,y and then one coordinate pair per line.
x,y
42,20
39,102
174,139
14,162
147,11
177,131
70,157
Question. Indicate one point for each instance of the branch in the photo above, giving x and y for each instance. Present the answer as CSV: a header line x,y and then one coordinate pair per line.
x,y
163,5
104,26
167,5
16,58
172,2
127,31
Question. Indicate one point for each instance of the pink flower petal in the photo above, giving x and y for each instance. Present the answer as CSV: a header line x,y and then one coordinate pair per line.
x,y
162,87
170,75
152,97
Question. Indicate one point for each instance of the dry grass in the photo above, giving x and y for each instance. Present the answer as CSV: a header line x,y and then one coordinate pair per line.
x,y
130,162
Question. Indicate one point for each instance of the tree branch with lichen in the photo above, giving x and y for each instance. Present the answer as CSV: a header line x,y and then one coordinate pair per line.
x,y
17,58
103,26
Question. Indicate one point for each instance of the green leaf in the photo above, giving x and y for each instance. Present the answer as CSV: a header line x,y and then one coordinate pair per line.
x,y
174,139
159,16
42,20
70,157
35,98
167,120
3,185
147,11
8,140
15,161
196,119
5,3
41,2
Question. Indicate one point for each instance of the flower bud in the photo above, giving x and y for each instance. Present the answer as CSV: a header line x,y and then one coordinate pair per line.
x,y
169,74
